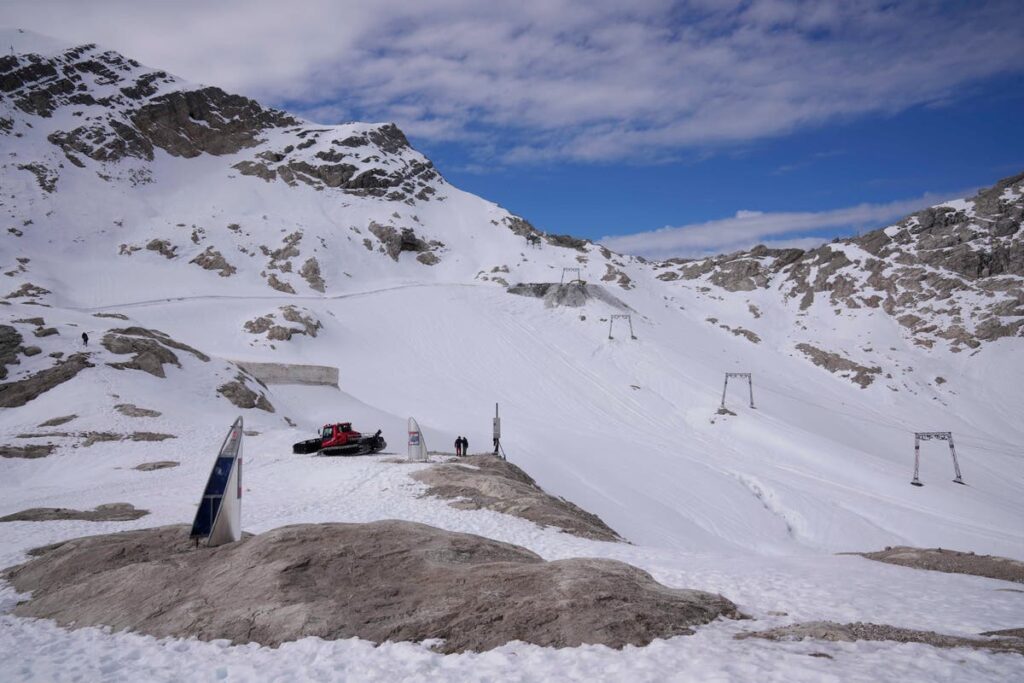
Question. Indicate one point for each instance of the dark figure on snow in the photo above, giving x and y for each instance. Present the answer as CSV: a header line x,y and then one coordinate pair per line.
x,y
85,339
458,446
465,446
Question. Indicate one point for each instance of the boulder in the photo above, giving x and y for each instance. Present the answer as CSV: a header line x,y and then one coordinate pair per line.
x,y
488,482
382,581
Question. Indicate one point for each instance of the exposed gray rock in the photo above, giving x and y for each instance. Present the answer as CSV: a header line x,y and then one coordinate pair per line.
x,y
242,396
940,254
189,123
310,325
10,343
613,274
28,452
567,241
310,272
132,410
279,285
17,394
58,421
950,561
111,512
162,247
151,349
329,580
29,291
45,332
266,324
117,316
45,176
396,241
495,484
429,258
837,364
211,259
848,633
157,465
31,350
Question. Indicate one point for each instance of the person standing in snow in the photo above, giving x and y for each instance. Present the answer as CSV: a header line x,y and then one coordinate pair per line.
x,y
85,339
458,445
465,446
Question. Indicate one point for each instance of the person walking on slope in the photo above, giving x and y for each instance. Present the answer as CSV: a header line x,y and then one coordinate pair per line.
x,y
458,446
85,339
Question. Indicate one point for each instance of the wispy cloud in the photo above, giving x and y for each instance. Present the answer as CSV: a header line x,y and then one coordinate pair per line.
x,y
749,228
550,80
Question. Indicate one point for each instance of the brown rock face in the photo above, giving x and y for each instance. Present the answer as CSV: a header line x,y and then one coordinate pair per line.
x,y
189,123
242,396
110,512
837,364
498,485
17,394
151,349
848,633
383,581
960,272
951,561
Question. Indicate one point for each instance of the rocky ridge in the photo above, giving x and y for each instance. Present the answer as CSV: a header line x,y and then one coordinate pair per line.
x,y
952,274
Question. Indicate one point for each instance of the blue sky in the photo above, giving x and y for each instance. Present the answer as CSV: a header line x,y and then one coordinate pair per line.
x,y
662,127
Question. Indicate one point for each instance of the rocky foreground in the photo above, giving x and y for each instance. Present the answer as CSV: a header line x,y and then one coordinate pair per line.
x,y
382,581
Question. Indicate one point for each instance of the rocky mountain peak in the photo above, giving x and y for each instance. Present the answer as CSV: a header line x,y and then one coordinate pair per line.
x,y
953,272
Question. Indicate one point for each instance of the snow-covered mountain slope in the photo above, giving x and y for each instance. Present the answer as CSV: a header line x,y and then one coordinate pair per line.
x,y
134,203
126,195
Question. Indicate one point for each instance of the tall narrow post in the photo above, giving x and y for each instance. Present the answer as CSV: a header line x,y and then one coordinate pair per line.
x,y
630,319
956,465
917,461
497,430
725,387
750,385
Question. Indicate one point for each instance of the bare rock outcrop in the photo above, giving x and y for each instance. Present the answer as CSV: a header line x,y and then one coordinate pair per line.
x,y
156,465
110,512
310,272
150,349
29,452
394,241
847,633
837,364
132,410
17,394
382,581
309,325
211,259
952,273
495,484
10,344
58,421
239,393
950,561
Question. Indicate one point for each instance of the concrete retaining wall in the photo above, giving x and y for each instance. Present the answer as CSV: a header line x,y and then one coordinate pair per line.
x,y
288,373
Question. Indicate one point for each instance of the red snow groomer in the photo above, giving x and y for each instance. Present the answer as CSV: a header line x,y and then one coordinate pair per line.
x,y
341,439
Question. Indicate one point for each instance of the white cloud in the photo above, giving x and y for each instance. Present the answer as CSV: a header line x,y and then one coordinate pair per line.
x,y
564,79
749,228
